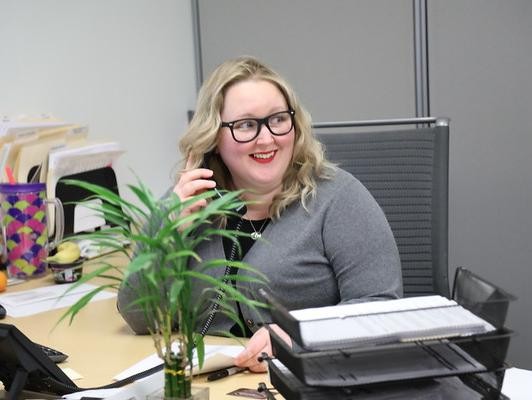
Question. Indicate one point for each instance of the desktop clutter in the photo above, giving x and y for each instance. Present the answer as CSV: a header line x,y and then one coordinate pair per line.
x,y
417,348
37,210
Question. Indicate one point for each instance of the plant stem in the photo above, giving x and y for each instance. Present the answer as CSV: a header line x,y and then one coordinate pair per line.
x,y
177,385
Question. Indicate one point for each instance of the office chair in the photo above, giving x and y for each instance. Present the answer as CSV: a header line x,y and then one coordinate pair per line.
x,y
406,170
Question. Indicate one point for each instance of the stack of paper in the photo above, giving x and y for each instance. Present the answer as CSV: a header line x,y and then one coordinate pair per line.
x,y
46,150
34,301
379,322
216,357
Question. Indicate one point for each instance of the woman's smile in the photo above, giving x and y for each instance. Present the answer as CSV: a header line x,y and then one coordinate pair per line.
x,y
263,157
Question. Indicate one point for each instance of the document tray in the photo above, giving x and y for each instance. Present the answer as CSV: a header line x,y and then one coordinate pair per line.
x,y
425,358
451,388
395,362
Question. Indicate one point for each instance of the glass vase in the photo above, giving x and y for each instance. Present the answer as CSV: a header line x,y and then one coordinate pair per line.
x,y
196,393
178,384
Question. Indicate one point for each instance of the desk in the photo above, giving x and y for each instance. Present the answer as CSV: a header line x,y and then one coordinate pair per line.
x,y
100,344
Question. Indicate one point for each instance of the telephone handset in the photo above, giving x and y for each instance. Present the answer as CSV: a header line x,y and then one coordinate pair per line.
x,y
205,164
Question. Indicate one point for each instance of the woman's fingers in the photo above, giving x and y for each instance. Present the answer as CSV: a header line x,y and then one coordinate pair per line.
x,y
188,189
259,343
191,183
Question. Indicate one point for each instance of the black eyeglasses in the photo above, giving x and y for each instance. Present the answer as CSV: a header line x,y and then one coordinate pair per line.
x,y
247,129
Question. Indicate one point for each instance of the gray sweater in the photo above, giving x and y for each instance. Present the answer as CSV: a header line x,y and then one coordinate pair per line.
x,y
339,251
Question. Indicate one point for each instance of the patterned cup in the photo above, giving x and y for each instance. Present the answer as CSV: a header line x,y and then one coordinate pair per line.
x,y
24,228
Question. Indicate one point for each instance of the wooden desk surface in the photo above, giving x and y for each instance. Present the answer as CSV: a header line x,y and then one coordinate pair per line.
x,y
100,344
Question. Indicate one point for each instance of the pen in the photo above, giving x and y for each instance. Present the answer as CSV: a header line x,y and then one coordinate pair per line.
x,y
222,373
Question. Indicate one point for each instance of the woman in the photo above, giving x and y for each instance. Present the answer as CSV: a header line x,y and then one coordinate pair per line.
x,y
325,241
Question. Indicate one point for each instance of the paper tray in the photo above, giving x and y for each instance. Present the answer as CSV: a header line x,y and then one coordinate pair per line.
x,y
393,363
470,291
431,389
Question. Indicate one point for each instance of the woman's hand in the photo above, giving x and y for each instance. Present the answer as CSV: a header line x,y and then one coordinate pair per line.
x,y
258,344
191,183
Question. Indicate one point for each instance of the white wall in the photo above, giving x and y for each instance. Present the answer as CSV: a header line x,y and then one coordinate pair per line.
x,y
124,67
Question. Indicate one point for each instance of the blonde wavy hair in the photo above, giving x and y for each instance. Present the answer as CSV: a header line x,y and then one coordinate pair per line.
x,y
201,137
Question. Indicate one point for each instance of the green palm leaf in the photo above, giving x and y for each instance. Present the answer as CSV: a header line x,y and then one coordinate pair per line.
x,y
164,247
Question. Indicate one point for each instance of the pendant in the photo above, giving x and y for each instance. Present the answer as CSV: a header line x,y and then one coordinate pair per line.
x,y
256,235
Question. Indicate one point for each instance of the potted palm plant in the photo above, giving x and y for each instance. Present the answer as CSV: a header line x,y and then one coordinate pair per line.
x,y
162,247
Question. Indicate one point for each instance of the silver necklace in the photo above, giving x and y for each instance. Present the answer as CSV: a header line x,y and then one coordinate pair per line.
x,y
257,234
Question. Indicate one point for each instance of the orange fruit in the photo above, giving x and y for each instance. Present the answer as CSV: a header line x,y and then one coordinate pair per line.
x,y
3,281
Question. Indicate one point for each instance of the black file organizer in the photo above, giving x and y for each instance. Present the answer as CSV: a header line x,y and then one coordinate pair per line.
x,y
69,194
478,360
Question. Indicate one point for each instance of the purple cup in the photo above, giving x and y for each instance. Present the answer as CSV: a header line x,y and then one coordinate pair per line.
x,y
23,214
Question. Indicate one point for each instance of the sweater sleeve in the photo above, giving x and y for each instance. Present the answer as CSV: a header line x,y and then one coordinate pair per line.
x,y
360,246
132,314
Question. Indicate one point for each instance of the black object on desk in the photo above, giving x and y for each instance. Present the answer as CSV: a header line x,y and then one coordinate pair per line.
x,y
55,355
225,372
24,366
69,194
2,312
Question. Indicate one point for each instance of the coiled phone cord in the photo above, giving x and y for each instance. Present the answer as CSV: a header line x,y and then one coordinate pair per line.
x,y
216,304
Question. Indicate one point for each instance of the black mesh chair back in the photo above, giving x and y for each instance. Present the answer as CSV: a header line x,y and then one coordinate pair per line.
x,y
406,170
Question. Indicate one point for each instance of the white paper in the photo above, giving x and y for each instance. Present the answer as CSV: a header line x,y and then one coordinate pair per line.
x,y
371,307
13,126
86,218
74,160
414,318
34,301
91,248
137,390
68,161
516,383
216,357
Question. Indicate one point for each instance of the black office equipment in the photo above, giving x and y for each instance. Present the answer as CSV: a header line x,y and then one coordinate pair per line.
x,y
69,195
478,360
406,170
24,366
54,355
440,389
